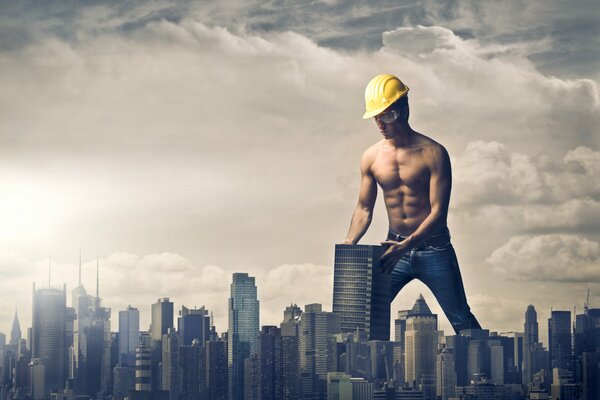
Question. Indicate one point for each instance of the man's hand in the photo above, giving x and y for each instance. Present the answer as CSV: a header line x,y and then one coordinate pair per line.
x,y
393,254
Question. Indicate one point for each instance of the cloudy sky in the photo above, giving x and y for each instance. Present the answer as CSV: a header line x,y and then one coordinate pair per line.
x,y
178,144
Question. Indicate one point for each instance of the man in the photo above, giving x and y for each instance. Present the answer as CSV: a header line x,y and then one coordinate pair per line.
x,y
415,176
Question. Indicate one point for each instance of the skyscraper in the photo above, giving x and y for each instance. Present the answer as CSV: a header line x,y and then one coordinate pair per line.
x,y
559,340
15,332
162,320
48,335
530,340
216,370
315,328
289,359
445,374
421,348
361,291
129,335
193,324
243,330
170,363
143,364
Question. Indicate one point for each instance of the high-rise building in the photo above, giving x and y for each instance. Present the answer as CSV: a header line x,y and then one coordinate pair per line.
x,y
193,324
48,337
559,340
143,364
15,332
162,320
170,363
290,357
269,354
421,348
216,370
315,328
243,330
445,375
192,364
382,361
530,340
399,350
361,291
129,335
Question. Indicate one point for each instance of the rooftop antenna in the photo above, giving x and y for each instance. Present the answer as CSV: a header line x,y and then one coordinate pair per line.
x,y
48,268
587,302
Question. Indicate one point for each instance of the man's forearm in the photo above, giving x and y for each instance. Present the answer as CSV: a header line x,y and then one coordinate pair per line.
x,y
428,227
358,226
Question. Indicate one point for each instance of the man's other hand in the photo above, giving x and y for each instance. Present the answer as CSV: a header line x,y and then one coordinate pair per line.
x,y
392,255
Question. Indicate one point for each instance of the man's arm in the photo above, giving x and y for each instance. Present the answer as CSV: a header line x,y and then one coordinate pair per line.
x,y
361,219
440,186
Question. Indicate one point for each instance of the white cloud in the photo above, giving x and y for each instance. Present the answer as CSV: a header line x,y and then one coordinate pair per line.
x,y
558,258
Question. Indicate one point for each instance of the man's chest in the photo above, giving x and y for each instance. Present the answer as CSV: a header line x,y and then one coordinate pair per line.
x,y
401,168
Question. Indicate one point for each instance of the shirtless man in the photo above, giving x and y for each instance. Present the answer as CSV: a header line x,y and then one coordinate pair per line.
x,y
415,176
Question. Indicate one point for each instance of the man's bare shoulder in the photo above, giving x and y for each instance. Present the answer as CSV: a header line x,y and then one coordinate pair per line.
x,y
370,154
430,148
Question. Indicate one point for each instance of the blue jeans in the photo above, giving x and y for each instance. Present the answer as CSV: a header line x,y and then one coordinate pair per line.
x,y
434,263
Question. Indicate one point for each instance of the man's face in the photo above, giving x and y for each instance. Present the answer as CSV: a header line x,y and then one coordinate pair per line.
x,y
387,122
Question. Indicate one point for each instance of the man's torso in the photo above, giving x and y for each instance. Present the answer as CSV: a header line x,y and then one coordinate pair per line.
x,y
403,173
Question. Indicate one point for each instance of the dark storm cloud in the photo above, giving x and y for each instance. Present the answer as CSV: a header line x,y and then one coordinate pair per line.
x,y
570,31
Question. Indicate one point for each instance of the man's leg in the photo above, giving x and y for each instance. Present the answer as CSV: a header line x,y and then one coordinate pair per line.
x,y
438,269
401,275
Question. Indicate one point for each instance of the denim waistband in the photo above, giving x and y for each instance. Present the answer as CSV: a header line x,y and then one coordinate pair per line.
x,y
438,238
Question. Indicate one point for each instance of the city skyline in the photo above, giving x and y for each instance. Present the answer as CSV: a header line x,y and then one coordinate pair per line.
x,y
176,144
541,335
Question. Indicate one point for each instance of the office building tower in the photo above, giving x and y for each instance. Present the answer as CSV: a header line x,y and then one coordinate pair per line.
x,y
361,291
514,367
421,348
216,370
399,338
192,364
563,385
290,356
445,375
143,364
162,320
243,330
170,363
587,354
129,335
48,338
530,340
193,324
251,378
91,334
269,364
124,381
559,340
358,356
15,332
315,328
339,386
382,361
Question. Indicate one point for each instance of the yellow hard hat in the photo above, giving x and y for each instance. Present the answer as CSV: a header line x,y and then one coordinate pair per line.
x,y
381,92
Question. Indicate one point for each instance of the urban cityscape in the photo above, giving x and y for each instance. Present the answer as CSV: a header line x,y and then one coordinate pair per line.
x,y
72,352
